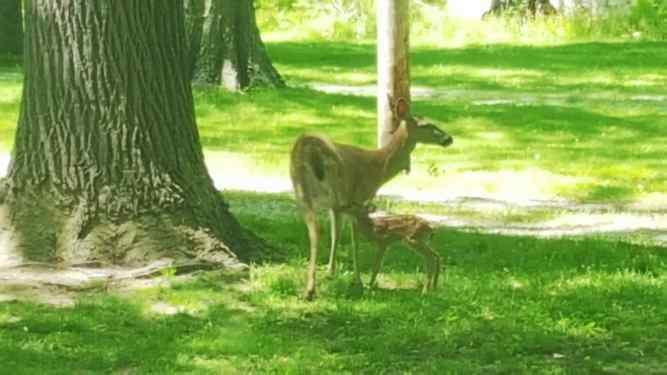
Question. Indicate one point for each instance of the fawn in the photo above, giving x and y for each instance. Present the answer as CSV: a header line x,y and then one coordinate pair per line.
x,y
413,231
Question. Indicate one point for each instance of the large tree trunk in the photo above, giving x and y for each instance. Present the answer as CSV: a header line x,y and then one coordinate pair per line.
x,y
107,164
11,27
230,50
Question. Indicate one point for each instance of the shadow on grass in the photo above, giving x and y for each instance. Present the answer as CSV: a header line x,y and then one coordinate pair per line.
x,y
506,304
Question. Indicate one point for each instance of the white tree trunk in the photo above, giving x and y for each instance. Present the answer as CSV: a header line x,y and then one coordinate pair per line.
x,y
393,36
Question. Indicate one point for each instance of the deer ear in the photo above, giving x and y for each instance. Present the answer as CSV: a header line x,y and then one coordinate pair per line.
x,y
399,107
402,108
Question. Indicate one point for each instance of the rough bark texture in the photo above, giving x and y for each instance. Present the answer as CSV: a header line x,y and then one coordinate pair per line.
x,y
11,27
230,51
107,165
393,63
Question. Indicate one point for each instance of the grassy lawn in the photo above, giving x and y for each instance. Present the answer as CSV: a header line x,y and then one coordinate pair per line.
x,y
579,121
505,305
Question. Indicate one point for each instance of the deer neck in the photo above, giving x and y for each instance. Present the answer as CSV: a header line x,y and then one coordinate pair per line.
x,y
396,154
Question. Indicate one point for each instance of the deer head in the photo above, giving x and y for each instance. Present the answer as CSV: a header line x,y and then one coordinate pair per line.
x,y
419,130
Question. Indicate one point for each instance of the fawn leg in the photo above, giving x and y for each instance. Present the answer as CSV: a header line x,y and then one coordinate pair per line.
x,y
377,262
335,219
431,264
313,236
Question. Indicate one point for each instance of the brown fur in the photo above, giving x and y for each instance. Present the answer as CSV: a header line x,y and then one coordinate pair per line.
x,y
411,230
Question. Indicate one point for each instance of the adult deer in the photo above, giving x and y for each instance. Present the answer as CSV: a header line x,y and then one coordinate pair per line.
x,y
338,177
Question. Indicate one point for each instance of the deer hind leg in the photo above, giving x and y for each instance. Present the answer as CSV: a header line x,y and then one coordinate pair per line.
x,y
355,253
313,237
377,263
335,219
435,271
431,264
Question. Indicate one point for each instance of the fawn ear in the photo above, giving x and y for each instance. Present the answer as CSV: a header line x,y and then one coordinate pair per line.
x,y
402,108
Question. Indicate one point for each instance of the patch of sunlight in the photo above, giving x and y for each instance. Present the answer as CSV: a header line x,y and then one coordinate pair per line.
x,y
368,90
516,284
505,75
10,94
608,222
652,200
593,78
649,98
235,171
603,282
646,80
4,163
576,328
507,185
333,74
209,365
491,136
467,9
486,313
6,318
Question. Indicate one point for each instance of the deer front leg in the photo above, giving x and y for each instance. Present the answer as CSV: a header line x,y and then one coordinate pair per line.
x,y
377,262
313,237
335,219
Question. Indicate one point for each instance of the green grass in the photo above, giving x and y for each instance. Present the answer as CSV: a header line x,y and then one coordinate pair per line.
x,y
582,121
506,304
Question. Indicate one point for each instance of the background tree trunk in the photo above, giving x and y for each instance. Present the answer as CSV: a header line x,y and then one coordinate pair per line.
x,y
11,27
393,49
107,165
230,51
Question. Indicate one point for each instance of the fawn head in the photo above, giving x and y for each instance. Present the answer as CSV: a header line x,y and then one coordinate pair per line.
x,y
418,129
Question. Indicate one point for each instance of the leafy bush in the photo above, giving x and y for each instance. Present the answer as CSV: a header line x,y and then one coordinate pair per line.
x,y
431,24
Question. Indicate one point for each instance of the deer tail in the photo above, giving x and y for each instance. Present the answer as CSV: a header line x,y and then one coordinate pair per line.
x,y
314,169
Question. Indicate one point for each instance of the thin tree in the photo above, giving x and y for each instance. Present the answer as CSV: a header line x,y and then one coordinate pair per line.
x,y
393,68
11,27
226,45
107,164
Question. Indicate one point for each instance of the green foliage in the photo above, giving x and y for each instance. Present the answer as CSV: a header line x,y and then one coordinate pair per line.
x,y
506,304
338,19
431,23
650,17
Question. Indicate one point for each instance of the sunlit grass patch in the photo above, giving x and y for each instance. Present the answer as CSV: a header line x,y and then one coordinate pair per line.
x,y
581,121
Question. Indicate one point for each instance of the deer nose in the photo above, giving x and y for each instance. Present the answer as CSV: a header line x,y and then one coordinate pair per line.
x,y
447,141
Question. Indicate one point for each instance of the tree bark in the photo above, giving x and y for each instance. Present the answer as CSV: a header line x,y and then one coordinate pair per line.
x,y
393,48
11,27
107,164
230,51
